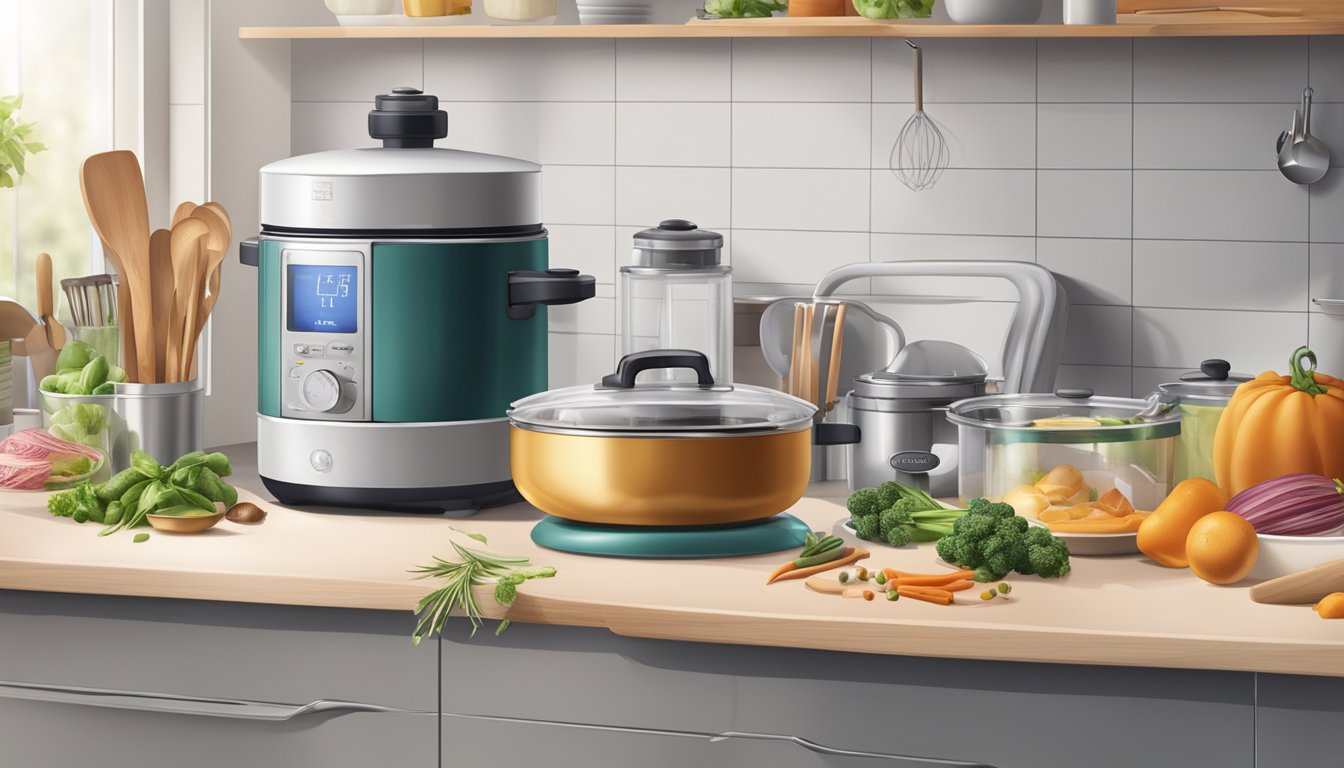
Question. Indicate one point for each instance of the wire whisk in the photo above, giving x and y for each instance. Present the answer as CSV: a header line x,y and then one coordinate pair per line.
x,y
919,156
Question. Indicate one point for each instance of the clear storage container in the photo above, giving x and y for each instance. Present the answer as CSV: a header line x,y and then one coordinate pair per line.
x,y
676,294
1007,441
1201,395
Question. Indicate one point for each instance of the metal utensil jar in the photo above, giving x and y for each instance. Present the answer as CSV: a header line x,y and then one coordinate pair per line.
x,y
163,420
676,294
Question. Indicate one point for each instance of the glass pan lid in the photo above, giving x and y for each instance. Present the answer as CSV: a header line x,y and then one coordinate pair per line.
x,y
663,408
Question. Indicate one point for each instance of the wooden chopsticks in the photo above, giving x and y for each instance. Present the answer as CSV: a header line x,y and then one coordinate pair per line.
x,y
813,332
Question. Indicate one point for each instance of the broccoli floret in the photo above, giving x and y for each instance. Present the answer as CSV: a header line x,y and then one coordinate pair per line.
x,y
864,503
868,528
889,493
895,526
506,589
993,541
79,503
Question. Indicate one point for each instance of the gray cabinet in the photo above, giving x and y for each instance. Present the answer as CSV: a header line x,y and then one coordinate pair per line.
x,y
1299,721
140,682
1008,715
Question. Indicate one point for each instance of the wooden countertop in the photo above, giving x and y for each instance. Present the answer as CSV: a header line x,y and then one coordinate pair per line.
x,y
1118,610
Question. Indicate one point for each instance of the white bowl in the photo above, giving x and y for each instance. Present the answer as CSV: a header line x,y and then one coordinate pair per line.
x,y
1282,555
993,11
360,7
614,10
617,3
592,18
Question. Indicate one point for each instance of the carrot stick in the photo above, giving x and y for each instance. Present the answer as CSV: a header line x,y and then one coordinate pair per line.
x,y
941,596
931,581
851,555
954,586
780,571
892,573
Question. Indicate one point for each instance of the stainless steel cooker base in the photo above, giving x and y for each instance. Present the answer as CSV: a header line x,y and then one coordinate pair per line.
x,y
430,466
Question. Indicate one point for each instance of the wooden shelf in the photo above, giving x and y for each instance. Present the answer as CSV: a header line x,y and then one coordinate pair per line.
x,y
1210,24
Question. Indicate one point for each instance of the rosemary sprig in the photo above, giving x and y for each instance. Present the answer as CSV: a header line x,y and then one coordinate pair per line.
x,y
475,569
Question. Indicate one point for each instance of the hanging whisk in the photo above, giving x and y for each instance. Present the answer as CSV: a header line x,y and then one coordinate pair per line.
x,y
919,155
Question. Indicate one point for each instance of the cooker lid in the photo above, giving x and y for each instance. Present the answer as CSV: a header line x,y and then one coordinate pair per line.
x,y
1067,416
620,404
934,362
677,244
404,185
1213,383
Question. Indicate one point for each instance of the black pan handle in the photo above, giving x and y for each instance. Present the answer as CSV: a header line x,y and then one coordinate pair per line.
x,y
527,289
249,252
829,433
636,363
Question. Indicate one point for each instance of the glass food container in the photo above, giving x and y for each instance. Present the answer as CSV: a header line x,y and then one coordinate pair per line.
x,y
1007,441
676,294
1201,397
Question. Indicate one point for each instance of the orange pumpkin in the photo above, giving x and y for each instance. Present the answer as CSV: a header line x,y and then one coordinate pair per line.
x,y
1278,425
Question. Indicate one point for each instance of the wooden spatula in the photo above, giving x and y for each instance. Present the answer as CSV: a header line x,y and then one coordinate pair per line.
x,y
182,211
114,195
1305,586
216,245
46,300
188,240
161,270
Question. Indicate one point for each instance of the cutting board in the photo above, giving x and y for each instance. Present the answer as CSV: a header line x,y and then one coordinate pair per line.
x,y
1305,586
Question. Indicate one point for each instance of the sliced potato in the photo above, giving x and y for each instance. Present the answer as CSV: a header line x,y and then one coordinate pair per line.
x,y
1026,500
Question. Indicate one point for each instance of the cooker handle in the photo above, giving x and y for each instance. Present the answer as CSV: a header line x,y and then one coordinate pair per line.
x,y
636,363
828,433
529,288
249,252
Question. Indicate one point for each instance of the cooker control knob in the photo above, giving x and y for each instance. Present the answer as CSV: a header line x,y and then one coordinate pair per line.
x,y
323,391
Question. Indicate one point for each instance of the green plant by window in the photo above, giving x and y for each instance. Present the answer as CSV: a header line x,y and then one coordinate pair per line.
x,y
15,141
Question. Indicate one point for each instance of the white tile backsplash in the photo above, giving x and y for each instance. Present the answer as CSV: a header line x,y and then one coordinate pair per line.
x,y
646,196
1139,171
664,133
1208,136
1084,69
1220,69
1327,341
1195,274
1092,271
1181,338
828,200
353,70
673,70
801,70
977,135
1077,136
1218,205
520,70
1083,203
770,135
968,202
956,70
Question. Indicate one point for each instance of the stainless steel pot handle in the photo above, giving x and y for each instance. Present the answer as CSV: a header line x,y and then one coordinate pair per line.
x,y
234,709
811,746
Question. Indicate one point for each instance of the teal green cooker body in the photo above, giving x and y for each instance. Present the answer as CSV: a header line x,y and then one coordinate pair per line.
x,y
443,345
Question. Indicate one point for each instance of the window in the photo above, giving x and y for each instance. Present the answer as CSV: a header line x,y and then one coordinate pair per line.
x,y
58,54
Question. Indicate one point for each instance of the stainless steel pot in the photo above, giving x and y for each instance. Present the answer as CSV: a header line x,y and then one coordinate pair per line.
x,y
665,454
902,413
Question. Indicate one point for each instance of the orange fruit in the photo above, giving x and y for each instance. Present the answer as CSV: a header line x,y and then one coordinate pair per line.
x,y
1222,547
1163,534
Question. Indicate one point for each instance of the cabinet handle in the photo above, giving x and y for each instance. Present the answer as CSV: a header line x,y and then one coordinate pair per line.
x,y
822,749
236,709
811,746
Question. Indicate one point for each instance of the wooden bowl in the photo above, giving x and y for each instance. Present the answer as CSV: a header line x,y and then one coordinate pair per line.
x,y
184,523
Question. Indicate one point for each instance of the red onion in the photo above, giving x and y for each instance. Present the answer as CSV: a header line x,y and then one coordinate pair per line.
x,y
1292,505
37,444
22,473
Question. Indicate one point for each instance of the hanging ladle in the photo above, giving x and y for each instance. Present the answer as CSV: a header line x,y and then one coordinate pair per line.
x,y
1303,158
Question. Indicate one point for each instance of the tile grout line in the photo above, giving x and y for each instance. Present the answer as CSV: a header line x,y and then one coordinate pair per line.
x,y
1133,193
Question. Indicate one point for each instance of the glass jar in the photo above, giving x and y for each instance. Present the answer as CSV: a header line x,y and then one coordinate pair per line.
x,y
676,294
1201,396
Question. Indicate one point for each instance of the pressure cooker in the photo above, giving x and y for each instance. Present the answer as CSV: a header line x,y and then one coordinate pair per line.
x,y
401,307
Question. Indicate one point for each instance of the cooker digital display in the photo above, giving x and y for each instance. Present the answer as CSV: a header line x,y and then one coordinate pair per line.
x,y
323,299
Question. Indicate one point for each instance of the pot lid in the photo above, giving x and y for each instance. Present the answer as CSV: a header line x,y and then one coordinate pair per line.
x,y
406,184
1067,416
619,404
677,244
934,362
1213,381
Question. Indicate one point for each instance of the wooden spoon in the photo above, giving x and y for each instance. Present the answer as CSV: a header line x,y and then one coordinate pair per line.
x,y
182,211
46,300
216,245
114,196
1306,586
188,238
161,269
